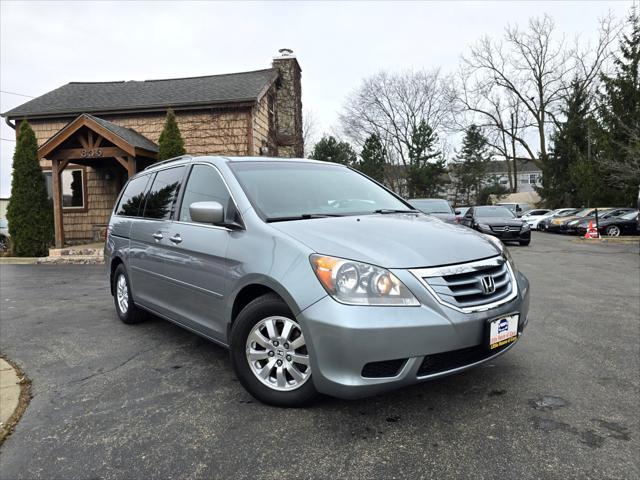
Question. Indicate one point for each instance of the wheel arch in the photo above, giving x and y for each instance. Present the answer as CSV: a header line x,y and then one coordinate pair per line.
x,y
253,288
115,261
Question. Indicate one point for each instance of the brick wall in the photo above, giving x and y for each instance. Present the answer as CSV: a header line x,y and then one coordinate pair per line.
x,y
289,107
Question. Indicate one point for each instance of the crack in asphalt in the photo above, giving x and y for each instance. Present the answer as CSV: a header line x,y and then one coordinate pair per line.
x,y
104,372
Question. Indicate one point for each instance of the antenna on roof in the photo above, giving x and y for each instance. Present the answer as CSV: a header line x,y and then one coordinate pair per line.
x,y
285,52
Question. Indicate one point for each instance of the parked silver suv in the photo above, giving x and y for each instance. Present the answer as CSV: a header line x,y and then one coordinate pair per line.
x,y
316,278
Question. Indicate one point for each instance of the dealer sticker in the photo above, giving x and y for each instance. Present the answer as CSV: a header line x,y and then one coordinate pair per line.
x,y
502,331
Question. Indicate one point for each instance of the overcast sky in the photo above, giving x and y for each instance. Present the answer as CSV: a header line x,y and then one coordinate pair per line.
x,y
47,44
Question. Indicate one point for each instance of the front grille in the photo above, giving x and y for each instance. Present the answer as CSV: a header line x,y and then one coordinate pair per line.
x,y
470,286
445,361
505,228
388,368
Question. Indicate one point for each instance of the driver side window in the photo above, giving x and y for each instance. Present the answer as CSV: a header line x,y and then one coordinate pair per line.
x,y
204,185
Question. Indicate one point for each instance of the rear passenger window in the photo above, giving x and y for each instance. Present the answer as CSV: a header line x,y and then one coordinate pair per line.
x,y
133,197
162,194
204,185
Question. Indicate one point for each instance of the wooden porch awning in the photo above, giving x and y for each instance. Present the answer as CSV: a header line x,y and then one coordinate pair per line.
x,y
90,140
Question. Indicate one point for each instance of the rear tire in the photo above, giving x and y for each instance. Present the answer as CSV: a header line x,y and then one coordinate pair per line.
x,y
125,308
269,354
613,231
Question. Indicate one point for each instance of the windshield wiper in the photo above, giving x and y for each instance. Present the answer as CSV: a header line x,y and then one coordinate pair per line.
x,y
390,210
304,216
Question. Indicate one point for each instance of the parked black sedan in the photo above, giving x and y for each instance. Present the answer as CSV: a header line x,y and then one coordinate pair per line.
x,y
626,224
499,222
580,225
436,207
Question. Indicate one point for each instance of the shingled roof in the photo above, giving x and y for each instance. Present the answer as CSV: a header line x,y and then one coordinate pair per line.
x,y
102,97
130,136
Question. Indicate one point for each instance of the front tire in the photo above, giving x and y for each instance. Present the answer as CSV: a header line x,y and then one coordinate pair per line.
x,y
524,243
269,354
125,308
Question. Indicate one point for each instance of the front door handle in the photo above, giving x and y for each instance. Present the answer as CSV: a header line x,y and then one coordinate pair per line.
x,y
176,238
157,236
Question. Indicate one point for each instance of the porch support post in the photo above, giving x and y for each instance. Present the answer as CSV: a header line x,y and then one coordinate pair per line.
x,y
131,166
57,203
129,163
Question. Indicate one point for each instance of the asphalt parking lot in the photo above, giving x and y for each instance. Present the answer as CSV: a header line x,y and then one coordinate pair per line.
x,y
154,401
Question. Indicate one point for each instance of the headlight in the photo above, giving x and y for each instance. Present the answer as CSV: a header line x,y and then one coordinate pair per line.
x,y
358,283
503,250
526,226
484,226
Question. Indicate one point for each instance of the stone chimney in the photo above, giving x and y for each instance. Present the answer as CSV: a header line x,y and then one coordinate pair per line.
x,y
288,105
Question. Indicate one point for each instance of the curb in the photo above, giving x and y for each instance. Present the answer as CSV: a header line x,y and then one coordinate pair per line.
x,y
16,387
18,260
618,240
65,260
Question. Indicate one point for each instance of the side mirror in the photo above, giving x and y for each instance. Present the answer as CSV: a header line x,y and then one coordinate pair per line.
x,y
206,212
457,212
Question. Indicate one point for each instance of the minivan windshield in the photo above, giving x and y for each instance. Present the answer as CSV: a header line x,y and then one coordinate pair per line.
x,y
288,190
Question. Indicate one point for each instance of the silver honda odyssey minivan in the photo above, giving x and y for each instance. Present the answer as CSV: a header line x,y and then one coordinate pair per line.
x,y
315,277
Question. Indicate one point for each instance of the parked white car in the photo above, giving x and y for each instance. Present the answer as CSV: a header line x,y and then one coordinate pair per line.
x,y
532,217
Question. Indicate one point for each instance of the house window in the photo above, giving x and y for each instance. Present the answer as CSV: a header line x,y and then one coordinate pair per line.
x,y
73,187
533,178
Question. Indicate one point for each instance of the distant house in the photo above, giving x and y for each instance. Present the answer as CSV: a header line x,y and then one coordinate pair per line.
x,y
93,135
528,174
4,203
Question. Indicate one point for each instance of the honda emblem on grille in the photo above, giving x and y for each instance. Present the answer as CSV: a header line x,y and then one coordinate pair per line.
x,y
488,285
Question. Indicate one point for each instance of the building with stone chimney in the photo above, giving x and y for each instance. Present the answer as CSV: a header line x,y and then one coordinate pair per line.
x,y
93,136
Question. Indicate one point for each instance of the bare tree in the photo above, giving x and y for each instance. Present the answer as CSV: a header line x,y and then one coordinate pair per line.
x,y
531,69
309,130
392,107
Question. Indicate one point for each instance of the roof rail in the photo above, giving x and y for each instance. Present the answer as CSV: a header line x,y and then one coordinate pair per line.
x,y
169,160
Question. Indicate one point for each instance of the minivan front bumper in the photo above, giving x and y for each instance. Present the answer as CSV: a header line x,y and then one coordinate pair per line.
x,y
352,348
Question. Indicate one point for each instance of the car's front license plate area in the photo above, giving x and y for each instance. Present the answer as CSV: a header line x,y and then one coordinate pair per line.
x,y
502,331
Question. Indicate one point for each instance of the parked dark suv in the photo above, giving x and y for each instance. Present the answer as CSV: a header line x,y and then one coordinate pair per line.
x,y
499,222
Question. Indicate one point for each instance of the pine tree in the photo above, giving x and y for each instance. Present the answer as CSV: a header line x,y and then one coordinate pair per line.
x,y
329,149
170,143
570,146
426,169
29,212
471,164
619,112
373,158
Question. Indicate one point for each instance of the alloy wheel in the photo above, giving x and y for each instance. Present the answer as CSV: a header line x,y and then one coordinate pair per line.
x,y
122,294
277,354
613,231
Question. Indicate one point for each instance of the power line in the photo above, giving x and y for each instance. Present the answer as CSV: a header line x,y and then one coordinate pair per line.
x,y
18,94
8,140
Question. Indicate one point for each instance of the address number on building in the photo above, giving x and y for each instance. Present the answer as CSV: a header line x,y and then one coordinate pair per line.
x,y
97,152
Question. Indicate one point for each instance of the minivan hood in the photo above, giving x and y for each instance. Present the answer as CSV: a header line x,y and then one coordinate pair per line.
x,y
391,240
